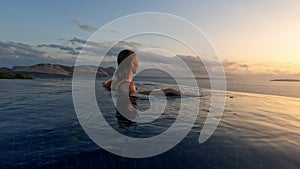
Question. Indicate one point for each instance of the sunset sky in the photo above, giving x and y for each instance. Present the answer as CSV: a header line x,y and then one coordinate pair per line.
x,y
258,37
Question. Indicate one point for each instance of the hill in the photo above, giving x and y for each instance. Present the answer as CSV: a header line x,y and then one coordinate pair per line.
x,y
56,70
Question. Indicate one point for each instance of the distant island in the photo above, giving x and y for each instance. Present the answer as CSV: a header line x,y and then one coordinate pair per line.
x,y
286,80
46,70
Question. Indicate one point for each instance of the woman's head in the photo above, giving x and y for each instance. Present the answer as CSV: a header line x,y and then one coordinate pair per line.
x,y
127,64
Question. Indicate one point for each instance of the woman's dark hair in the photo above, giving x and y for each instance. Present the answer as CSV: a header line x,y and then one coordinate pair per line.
x,y
123,55
124,68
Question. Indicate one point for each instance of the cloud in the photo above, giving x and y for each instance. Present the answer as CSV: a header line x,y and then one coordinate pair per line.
x,y
56,46
196,65
174,63
69,50
235,68
227,63
280,72
18,49
15,53
75,40
84,26
78,48
244,66
102,48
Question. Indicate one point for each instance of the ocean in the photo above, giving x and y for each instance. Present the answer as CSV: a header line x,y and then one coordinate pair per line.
x,y
259,129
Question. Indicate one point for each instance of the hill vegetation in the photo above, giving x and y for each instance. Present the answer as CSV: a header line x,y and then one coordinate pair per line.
x,y
7,75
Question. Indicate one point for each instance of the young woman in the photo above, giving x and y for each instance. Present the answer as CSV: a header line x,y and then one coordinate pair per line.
x,y
123,87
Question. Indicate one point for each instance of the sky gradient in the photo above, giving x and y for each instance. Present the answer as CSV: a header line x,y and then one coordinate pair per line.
x,y
256,37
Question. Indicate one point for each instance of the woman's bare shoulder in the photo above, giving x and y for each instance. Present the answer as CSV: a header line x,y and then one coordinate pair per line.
x,y
132,87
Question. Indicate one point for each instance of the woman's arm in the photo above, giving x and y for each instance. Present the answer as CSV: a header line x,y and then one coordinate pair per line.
x,y
107,84
168,92
132,89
